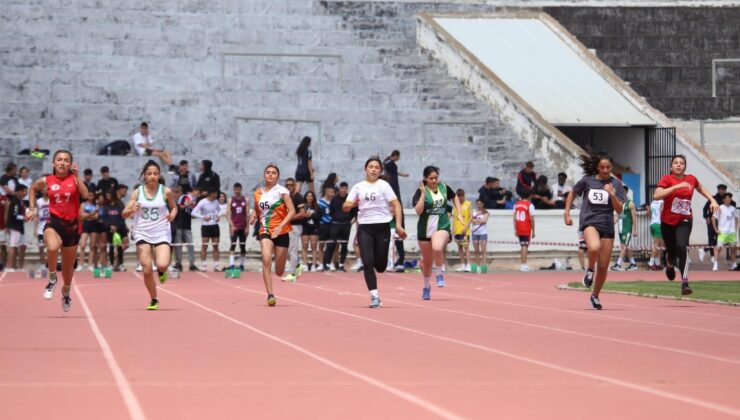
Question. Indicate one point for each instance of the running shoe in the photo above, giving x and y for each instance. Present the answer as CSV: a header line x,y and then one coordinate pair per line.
x,y
178,267
66,302
702,253
79,268
616,267
122,267
290,278
298,271
271,300
153,305
357,266
686,289
193,267
426,293
595,303
670,273
49,290
163,277
202,267
588,278
217,267
440,280
715,266
319,268
524,267
375,302
631,267
341,268
139,268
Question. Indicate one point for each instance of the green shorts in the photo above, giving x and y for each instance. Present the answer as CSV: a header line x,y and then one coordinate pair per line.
x,y
625,238
655,231
726,239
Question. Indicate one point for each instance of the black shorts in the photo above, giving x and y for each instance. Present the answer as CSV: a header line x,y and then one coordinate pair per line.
x,y
239,234
310,230
90,227
282,241
605,232
147,152
210,231
340,232
68,230
524,240
143,242
324,232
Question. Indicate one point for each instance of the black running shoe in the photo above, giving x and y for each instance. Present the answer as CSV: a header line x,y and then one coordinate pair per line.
x,y
595,303
670,273
686,289
588,278
194,267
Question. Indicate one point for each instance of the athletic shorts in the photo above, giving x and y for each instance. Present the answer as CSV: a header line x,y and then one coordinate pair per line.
x,y
154,245
210,231
604,232
147,152
282,241
625,238
324,232
310,230
462,239
430,238
479,238
16,239
655,231
239,234
340,232
302,175
68,230
90,227
524,240
726,239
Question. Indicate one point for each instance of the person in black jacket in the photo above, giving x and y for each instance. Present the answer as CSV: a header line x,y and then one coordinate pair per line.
x,y
208,180
341,224
310,234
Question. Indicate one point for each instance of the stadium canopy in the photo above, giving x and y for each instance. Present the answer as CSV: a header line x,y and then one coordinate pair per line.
x,y
535,62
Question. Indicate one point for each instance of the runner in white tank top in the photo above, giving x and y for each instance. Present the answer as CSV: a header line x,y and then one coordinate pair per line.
x,y
153,208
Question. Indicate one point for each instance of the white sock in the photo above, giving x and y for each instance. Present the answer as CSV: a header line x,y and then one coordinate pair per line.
x,y
652,261
241,260
374,293
231,260
427,281
435,269
620,261
442,269
632,261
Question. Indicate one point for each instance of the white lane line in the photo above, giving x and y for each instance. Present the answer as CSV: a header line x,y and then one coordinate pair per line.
x,y
588,313
593,376
129,398
413,399
532,325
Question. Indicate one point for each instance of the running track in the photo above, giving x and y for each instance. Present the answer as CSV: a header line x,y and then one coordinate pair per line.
x,y
503,345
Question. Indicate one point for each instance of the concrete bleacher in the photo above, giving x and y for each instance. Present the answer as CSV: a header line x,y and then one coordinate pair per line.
x,y
78,76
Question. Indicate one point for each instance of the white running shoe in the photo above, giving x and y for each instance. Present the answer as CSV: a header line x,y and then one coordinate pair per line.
x,y
202,266
357,266
49,290
332,268
79,268
139,268
216,267
319,268
715,267
525,267
701,254
468,269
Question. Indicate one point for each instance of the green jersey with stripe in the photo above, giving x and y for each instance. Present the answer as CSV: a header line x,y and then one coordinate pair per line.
x,y
625,218
435,216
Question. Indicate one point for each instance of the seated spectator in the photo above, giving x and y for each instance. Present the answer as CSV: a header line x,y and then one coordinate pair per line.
x,y
107,183
208,179
560,190
492,195
36,152
183,178
8,182
144,145
25,179
87,179
542,196
525,180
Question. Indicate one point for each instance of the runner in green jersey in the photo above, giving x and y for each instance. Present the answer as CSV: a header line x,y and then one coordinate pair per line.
x,y
627,231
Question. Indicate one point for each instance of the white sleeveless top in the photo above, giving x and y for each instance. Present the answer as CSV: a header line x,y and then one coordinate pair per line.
x,y
478,229
150,222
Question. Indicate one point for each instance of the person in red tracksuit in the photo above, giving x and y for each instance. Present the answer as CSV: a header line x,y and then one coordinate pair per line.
x,y
65,188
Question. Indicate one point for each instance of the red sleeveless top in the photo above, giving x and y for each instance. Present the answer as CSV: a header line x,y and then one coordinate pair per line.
x,y
64,197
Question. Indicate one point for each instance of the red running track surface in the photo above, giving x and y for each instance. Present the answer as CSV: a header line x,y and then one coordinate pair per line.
x,y
501,345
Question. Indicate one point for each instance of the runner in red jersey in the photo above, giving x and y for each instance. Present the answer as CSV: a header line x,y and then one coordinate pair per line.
x,y
676,190
65,188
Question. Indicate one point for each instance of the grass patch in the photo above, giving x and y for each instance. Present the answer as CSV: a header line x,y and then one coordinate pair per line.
x,y
722,291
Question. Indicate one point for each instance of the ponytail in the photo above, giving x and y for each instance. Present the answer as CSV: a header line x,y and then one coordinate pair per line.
x,y
590,161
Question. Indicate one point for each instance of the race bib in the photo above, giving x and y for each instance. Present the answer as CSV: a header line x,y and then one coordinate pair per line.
x,y
681,206
598,197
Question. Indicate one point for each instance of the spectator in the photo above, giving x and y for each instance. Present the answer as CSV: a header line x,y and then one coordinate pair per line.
x,y
525,180
542,196
107,183
208,180
391,170
144,145
560,190
331,181
25,180
305,171
36,151
9,182
711,232
183,178
310,234
208,211
296,232
524,226
183,226
492,195
87,175
325,225
341,224
461,230
14,218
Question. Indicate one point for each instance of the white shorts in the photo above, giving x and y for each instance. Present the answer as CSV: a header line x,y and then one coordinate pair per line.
x,y
16,239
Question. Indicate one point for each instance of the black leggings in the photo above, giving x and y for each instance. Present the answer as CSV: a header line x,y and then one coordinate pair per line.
x,y
676,240
338,234
374,239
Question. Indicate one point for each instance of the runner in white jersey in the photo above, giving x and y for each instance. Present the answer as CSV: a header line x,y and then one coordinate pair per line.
x,y
208,210
374,198
153,208
656,207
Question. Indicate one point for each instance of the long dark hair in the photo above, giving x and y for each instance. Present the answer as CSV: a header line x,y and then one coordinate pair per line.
x,y
303,146
428,171
393,154
331,180
590,161
71,159
315,204
146,166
